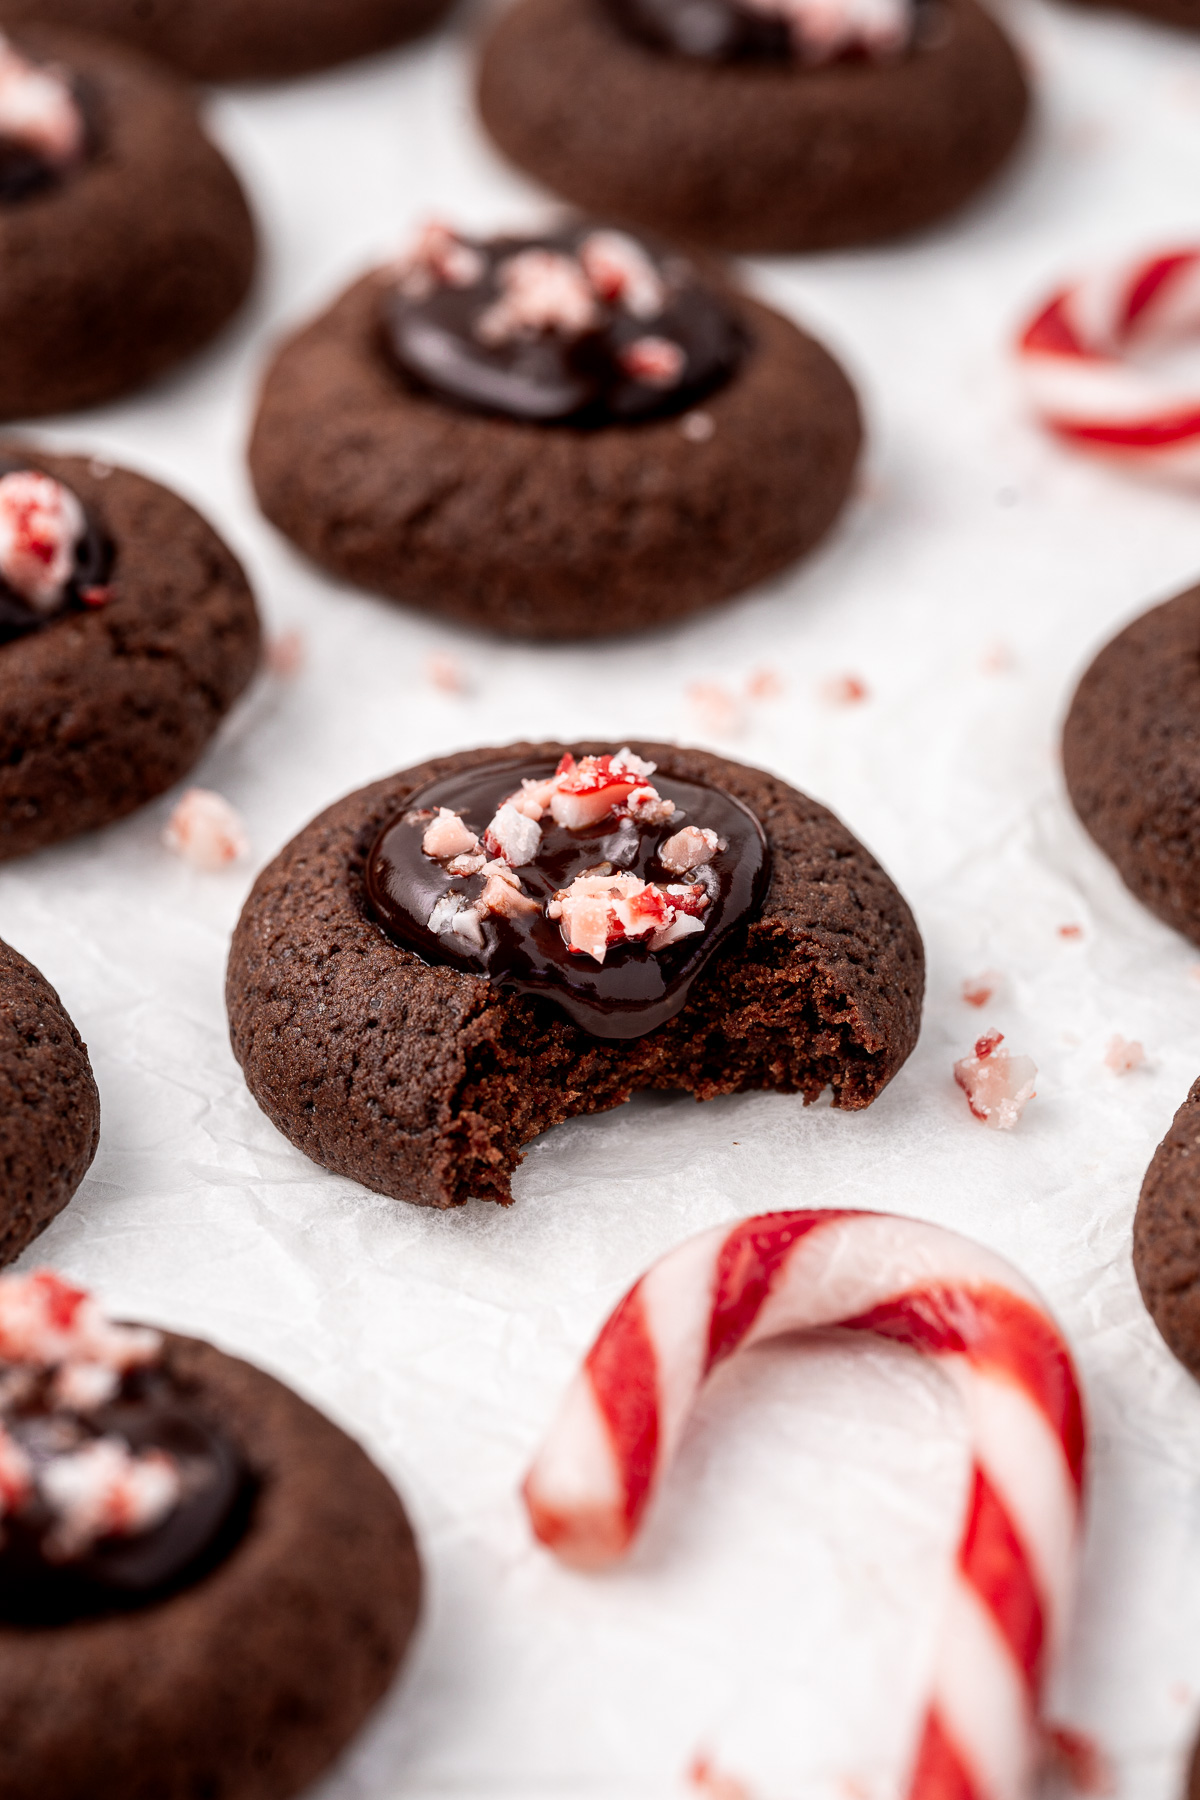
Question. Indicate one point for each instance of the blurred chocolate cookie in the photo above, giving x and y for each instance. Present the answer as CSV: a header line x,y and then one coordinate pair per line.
x,y
124,235
557,437
237,40
1132,758
204,1585
1166,1235
1186,15
49,1107
796,125
447,963
127,630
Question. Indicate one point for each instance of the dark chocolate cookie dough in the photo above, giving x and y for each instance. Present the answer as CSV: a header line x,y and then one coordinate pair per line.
x,y
234,40
246,1684
752,156
1131,754
1166,1235
103,708
130,261
425,1082
547,531
49,1107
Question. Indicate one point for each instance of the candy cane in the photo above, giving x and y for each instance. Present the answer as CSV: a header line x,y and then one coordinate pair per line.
x,y
1080,358
590,1486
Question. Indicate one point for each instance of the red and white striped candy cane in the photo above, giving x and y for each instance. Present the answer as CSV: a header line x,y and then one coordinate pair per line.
x,y
916,1284
1088,364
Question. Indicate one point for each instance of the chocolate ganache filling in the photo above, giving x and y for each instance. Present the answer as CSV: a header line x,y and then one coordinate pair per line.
x,y
586,327
47,124
54,558
589,884
115,1490
809,32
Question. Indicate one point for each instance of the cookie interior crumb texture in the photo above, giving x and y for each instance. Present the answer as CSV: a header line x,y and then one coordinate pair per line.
x,y
549,532
105,709
239,40
752,157
133,260
49,1106
425,1083
1132,762
247,1684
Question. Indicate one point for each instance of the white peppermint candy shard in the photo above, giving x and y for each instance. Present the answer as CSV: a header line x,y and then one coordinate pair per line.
x,y
41,527
37,108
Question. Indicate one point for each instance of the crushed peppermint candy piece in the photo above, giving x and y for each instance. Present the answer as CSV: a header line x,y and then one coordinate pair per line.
x,y
16,1475
206,831
513,836
997,1084
103,1490
977,990
447,836
42,525
503,893
689,849
1124,1055
48,1323
598,911
438,255
286,654
540,290
622,274
38,108
655,360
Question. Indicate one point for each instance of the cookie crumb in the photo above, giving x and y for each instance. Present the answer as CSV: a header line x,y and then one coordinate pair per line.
x,y
716,709
844,690
1124,1055
997,1084
698,427
286,654
977,990
206,830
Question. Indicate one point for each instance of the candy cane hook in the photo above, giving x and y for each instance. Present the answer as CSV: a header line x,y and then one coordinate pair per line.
x,y
1081,358
917,1284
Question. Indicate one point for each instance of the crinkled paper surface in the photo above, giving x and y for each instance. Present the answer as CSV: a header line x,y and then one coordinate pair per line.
x,y
781,1611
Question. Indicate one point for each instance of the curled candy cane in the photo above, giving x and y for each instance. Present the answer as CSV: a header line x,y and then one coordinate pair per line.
x,y
916,1284
1087,360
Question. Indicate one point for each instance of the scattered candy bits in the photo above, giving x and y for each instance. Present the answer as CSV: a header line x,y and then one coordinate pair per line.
x,y
206,830
717,711
977,990
444,673
711,1783
1124,1055
997,1084
287,654
844,690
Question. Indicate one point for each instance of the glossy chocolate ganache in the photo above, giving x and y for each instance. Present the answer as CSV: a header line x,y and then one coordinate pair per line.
x,y
585,327
114,1490
597,884
46,127
54,559
808,32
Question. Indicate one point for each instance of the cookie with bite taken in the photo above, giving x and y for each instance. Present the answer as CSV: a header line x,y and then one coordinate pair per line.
x,y
125,237
558,437
450,961
239,40
49,1106
205,1586
756,125
127,630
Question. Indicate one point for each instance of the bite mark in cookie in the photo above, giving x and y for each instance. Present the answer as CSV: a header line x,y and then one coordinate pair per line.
x,y
396,1057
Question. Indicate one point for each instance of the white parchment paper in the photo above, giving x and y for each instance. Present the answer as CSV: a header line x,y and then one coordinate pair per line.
x,y
781,1611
